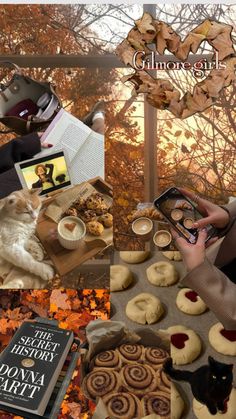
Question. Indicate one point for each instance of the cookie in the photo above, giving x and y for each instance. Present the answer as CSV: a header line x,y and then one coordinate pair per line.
x,y
223,341
71,211
138,378
134,257
162,274
120,277
177,403
88,215
107,359
80,203
94,200
97,203
163,381
101,208
185,345
155,357
189,302
201,411
130,353
95,228
144,308
157,402
106,220
172,255
123,406
99,382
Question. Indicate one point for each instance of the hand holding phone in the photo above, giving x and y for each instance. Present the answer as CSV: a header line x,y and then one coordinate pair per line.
x,y
193,254
182,214
213,214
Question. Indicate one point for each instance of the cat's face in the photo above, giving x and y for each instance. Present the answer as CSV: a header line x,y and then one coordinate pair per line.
x,y
22,205
220,374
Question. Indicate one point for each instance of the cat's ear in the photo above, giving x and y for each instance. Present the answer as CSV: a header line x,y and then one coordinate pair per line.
x,y
2,203
35,191
211,360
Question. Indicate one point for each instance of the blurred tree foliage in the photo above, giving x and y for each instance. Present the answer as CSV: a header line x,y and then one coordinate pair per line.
x,y
198,153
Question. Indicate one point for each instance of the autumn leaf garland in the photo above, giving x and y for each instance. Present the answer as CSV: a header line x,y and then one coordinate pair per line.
x,y
160,92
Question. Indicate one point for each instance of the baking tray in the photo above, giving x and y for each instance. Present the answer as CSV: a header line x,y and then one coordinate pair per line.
x,y
172,316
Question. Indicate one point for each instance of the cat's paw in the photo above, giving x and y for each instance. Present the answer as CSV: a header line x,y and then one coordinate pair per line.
x,y
47,272
222,407
35,249
212,409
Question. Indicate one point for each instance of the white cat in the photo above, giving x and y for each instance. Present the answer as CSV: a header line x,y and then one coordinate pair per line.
x,y
18,218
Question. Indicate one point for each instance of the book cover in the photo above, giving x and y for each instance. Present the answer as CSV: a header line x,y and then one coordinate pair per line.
x,y
31,364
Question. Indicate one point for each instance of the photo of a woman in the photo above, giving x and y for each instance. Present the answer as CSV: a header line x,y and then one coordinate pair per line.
x,y
45,176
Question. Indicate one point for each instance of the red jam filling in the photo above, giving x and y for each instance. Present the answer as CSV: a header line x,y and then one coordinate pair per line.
x,y
229,334
192,296
178,340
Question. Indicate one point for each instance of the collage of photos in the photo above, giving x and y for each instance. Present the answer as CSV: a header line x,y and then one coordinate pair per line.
x,y
117,211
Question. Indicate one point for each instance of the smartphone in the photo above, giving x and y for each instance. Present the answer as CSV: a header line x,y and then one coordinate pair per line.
x,y
181,213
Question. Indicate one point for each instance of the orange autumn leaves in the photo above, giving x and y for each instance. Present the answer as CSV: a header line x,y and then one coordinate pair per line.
x,y
161,93
75,405
73,309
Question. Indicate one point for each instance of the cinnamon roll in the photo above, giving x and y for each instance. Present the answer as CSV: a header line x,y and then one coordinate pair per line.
x,y
157,402
100,382
123,406
131,352
107,359
138,378
163,382
155,357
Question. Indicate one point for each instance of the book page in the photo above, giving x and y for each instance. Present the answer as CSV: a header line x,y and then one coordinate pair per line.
x,y
89,161
66,132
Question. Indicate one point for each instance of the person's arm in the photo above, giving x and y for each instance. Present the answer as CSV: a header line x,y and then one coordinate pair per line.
x,y
18,149
50,167
221,217
25,147
37,184
213,214
216,290
9,182
231,208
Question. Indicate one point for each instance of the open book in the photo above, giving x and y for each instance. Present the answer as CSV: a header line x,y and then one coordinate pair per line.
x,y
84,147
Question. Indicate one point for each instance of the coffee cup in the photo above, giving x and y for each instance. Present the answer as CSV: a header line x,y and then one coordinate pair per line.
x,y
177,214
188,223
162,238
142,227
71,230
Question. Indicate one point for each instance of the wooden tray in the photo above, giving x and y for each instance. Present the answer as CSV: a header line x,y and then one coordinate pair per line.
x,y
66,260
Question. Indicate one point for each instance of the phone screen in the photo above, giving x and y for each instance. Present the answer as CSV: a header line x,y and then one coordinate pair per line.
x,y
181,213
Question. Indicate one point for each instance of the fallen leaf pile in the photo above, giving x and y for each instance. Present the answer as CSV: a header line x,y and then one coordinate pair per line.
x,y
160,92
73,309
